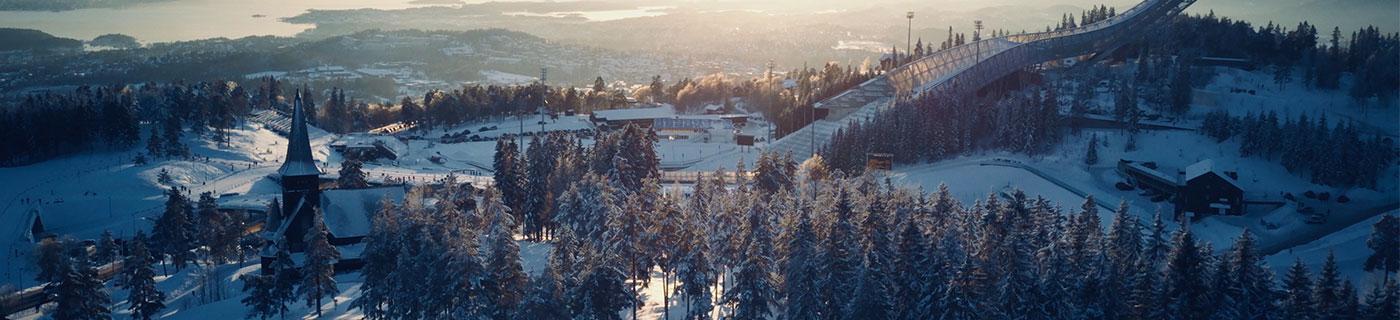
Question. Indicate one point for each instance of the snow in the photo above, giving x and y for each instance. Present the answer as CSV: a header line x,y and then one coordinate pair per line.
x,y
1203,167
1348,244
501,77
181,303
1290,100
348,211
972,182
83,195
635,113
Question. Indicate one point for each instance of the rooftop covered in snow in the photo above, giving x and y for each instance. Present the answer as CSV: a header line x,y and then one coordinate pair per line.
x,y
347,211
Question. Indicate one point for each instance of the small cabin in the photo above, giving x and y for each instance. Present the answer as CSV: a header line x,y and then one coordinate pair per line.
x,y
879,161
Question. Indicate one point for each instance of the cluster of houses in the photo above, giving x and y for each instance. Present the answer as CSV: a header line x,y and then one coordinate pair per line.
x,y
668,125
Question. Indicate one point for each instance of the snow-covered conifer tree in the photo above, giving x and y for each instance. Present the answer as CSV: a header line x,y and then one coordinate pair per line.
x,y
318,272
1297,299
754,291
505,280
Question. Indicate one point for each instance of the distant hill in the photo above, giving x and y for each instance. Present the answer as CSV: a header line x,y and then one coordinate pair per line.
x,y
26,39
63,5
115,40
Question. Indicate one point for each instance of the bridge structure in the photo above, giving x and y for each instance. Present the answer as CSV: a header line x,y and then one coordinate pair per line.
x,y
963,69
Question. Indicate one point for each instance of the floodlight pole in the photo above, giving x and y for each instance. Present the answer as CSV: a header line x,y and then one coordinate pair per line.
x,y
977,36
909,36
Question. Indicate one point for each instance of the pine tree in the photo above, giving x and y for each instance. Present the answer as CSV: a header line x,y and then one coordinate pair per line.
x,y
626,236
1122,251
1385,237
215,230
79,293
171,234
1084,249
106,250
508,178
1145,297
172,145
1297,300
694,268
380,256
50,260
911,271
352,175
1349,307
539,162
754,290
1186,294
1155,246
138,278
1181,88
545,300
318,272
283,280
153,145
1018,293
1092,155
1254,296
1327,290
839,260
505,279
261,300
874,296
1383,302
965,297
800,273
602,290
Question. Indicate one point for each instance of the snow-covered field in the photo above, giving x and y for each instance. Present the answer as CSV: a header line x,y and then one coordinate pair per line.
x,y
1349,246
82,196
1291,99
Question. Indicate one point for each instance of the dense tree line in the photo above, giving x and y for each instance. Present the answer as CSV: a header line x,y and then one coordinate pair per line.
x,y
934,128
1373,58
48,125
1335,155
803,242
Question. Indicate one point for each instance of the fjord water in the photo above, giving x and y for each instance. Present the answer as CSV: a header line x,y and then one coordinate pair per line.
x,y
181,20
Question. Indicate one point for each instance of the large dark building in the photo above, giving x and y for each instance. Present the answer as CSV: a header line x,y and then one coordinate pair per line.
x,y
345,212
1206,190
1199,189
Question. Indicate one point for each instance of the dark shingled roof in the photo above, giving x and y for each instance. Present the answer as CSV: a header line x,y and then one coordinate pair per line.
x,y
299,161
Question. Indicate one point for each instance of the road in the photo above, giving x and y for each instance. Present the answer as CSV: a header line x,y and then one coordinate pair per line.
x,y
1313,232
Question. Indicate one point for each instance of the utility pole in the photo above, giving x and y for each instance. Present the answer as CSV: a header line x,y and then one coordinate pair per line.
x,y
909,36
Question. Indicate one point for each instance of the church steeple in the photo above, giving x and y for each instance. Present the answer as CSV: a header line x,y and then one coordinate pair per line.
x,y
299,161
301,181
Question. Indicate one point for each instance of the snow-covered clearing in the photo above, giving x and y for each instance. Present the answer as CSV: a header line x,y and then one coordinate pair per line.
x,y
81,196
1348,244
1230,91
501,77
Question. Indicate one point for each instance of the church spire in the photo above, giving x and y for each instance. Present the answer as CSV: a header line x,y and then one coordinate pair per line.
x,y
299,161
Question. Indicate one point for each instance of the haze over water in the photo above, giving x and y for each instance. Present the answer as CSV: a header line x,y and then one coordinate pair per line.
x,y
181,20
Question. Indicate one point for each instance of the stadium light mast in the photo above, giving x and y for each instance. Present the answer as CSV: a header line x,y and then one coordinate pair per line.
x,y
977,36
909,36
